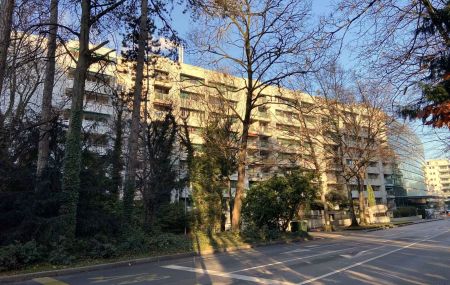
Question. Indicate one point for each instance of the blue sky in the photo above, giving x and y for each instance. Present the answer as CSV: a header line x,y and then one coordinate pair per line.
x,y
432,139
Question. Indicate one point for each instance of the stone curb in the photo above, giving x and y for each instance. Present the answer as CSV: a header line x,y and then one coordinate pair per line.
x,y
404,224
67,271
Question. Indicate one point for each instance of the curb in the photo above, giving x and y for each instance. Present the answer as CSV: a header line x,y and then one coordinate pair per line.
x,y
403,224
67,271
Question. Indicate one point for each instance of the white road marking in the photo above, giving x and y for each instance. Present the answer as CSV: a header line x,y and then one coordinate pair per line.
x,y
295,250
229,275
49,281
366,261
292,259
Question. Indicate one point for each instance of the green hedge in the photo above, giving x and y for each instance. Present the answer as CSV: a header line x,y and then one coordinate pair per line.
x,y
405,212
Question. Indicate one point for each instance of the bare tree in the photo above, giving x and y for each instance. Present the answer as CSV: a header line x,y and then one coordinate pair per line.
x,y
265,43
307,112
405,43
357,128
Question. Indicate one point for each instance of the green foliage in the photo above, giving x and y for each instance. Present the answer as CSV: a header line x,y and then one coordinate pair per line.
x,y
272,204
167,242
17,255
61,251
173,218
95,212
207,193
159,175
102,246
405,212
210,171
337,198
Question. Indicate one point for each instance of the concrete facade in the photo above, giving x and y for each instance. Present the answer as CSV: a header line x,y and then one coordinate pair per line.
x,y
276,137
438,176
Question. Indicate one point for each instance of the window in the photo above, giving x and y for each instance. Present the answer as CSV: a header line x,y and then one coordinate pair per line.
x,y
96,97
161,75
161,111
288,128
161,92
373,164
372,175
199,115
264,127
91,96
264,141
287,101
189,96
98,78
191,79
222,88
95,117
263,111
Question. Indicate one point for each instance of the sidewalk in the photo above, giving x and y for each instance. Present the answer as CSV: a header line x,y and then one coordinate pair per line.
x,y
344,232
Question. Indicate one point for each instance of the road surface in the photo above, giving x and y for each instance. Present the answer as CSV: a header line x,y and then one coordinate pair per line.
x,y
416,254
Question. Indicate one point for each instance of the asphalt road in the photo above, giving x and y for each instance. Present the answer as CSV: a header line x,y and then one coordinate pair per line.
x,y
416,254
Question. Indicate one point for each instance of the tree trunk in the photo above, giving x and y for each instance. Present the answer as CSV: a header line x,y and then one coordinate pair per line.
x,y
130,176
323,191
242,155
117,154
6,8
362,201
46,112
240,187
230,201
72,156
352,208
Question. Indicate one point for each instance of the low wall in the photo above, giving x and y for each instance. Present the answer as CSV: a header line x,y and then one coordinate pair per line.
x,y
337,218
407,219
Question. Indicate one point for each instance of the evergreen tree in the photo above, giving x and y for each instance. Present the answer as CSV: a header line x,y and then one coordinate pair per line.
x,y
434,106
158,177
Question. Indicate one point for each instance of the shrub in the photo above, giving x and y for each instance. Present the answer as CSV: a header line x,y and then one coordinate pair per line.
x,y
170,242
173,218
101,247
18,255
272,204
405,212
61,252
135,241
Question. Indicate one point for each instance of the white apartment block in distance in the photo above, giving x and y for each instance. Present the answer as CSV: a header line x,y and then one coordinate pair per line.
x,y
437,173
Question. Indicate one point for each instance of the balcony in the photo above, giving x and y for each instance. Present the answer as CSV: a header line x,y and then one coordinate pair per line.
x,y
162,99
262,116
191,104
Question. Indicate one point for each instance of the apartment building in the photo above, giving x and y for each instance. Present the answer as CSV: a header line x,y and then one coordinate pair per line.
x,y
275,143
276,138
437,173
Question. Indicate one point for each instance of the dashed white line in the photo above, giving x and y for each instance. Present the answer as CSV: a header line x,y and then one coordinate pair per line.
x,y
292,259
365,261
229,275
